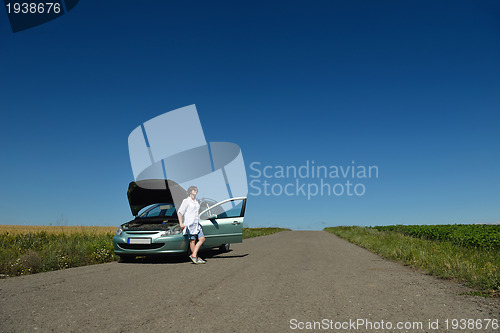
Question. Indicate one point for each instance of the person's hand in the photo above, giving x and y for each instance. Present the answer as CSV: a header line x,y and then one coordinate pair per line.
x,y
182,225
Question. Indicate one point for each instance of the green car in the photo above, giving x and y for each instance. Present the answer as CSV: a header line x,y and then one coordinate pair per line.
x,y
155,229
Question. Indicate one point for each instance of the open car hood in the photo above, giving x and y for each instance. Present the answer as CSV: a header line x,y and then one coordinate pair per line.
x,y
150,191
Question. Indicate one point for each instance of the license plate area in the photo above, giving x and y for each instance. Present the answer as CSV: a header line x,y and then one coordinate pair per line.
x,y
139,241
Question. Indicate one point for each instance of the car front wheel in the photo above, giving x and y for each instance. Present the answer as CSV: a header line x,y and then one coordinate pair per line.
x,y
126,258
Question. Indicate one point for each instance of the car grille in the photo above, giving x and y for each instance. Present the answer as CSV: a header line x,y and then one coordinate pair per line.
x,y
152,246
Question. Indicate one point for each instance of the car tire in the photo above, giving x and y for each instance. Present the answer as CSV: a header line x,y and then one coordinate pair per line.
x,y
126,258
224,248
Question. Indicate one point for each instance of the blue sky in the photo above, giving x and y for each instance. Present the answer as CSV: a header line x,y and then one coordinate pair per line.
x,y
411,87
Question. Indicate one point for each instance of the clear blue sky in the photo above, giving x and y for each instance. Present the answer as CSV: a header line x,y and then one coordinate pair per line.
x,y
411,87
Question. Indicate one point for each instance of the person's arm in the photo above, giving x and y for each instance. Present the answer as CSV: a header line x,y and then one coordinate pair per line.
x,y
182,210
179,215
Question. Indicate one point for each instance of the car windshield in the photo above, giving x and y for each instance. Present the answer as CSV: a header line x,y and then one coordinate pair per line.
x,y
167,210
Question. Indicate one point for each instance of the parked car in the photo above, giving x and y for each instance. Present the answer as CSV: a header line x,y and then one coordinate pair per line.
x,y
155,229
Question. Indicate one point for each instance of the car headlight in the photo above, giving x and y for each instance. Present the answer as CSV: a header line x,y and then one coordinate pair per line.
x,y
119,231
171,231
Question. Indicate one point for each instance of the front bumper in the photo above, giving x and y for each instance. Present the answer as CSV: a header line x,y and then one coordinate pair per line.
x,y
166,244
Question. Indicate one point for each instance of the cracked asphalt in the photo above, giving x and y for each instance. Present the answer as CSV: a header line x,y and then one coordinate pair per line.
x,y
289,281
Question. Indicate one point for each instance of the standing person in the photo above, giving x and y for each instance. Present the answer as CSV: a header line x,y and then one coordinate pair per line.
x,y
190,223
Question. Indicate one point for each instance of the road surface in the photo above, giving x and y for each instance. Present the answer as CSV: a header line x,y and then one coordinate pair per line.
x,y
289,281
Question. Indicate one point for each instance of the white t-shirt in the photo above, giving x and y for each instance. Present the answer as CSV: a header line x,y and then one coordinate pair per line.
x,y
189,210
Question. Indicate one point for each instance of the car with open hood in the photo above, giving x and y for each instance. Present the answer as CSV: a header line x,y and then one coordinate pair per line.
x,y
155,228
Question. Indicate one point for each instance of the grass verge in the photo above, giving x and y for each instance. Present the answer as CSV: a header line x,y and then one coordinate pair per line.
x,y
43,251
478,268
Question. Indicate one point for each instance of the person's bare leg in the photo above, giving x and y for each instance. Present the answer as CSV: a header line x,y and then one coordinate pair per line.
x,y
197,247
192,245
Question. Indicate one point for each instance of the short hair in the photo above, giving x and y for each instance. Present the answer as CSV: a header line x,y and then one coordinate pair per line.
x,y
191,188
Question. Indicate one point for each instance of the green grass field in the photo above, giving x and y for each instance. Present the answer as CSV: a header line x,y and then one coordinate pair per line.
x,y
33,249
475,263
483,236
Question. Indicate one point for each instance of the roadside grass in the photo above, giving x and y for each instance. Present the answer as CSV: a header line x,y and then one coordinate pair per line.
x,y
255,232
476,267
34,249
42,251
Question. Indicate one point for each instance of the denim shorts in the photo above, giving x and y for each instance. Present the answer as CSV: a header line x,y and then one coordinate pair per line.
x,y
195,236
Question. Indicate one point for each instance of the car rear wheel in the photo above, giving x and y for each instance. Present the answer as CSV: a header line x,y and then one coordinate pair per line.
x,y
224,248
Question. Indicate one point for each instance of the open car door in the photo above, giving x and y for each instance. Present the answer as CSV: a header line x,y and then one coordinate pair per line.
x,y
222,222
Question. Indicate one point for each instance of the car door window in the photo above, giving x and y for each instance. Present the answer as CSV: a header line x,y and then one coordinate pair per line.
x,y
230,209
226,210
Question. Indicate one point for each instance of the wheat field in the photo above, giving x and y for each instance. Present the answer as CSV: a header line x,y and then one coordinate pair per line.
x,y
23,229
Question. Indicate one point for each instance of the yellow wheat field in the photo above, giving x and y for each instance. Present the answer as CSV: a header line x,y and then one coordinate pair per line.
x,y
23,229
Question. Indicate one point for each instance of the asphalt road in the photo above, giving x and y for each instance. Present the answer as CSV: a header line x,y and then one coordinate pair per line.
x,y
277,283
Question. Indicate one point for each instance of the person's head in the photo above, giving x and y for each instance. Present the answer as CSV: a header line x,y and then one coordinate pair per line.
x,y
192,190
